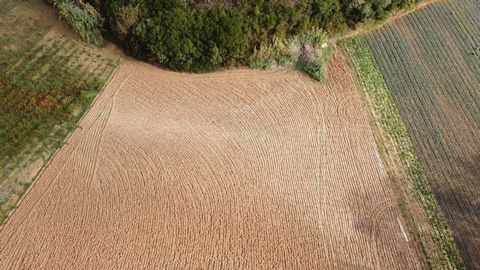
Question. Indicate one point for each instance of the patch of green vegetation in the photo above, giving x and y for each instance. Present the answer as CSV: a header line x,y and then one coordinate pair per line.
x,y
37,93
83,18
308,52
47,82
387,117
315,69
3,213
202,35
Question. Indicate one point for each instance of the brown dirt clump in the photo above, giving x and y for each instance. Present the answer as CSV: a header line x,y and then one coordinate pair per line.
x,y
233,170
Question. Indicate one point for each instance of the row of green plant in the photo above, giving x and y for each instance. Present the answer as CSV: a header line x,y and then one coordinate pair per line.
x,y
431,81
388,119
202,35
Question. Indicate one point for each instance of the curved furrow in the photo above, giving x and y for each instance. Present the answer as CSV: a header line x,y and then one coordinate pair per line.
x,y
233,170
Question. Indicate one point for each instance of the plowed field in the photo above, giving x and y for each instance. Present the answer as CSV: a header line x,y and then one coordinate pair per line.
x,y
240,169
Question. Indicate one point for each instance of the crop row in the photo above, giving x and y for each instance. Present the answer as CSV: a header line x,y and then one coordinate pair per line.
x,y
430,60
442,254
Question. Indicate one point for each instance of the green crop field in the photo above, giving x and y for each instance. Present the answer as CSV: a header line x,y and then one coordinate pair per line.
x,y
430,60
47,81
425,218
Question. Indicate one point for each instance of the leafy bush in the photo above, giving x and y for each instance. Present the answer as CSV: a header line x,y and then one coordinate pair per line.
x,y
83,18
315,69
261,58
270,54
185,40
124,18
308,51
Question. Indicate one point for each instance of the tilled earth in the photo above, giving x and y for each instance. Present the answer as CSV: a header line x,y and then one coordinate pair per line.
x,y
233,170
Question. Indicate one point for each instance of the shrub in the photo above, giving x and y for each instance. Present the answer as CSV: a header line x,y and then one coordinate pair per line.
x,y
263,57
308,51
314,54
83,18
315,69
124,18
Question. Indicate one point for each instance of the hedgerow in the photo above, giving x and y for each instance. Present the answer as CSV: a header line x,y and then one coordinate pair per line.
x,y
201,35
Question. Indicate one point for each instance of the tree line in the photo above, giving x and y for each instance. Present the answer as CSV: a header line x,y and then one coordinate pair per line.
x,y
202,35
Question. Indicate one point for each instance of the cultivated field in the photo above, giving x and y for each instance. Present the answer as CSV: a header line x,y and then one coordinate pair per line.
x,y
430,60
47,81
232,170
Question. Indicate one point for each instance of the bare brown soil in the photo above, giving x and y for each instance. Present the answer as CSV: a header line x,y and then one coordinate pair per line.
x,y
233,170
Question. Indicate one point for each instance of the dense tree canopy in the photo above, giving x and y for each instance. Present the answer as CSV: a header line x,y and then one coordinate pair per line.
x,y
200,35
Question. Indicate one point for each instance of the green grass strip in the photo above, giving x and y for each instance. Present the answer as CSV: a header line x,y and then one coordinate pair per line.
x,y
387,118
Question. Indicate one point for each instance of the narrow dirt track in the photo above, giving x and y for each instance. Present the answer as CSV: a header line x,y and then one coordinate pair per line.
x,y
233,170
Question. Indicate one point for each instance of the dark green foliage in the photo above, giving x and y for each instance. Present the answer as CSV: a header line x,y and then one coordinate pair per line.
x,y
326,15
196,35
183,40
124,17
358,11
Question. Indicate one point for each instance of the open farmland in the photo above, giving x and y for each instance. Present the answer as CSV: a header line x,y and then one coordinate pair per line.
x,y
430,60
47,81
232,170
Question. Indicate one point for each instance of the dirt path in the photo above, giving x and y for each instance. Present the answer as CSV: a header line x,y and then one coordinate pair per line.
x,y
234,170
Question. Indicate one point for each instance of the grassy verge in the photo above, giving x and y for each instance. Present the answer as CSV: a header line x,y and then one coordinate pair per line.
x,y
431,230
